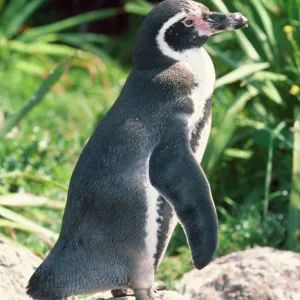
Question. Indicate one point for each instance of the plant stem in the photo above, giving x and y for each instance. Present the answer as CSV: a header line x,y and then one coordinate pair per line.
x,y
294,207
268,182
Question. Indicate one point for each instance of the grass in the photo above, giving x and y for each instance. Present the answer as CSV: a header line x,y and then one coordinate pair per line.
x,y
56,131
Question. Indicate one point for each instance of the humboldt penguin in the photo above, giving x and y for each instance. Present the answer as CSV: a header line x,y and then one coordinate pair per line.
x,y
140,171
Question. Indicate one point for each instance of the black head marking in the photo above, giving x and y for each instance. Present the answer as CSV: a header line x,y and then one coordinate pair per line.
x,y
180,37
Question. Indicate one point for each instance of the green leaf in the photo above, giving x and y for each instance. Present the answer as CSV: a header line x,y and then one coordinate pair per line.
x,y
266,20
262,39
236,153
29,200
265,75
294,205
138,8
76,38
241,73
41,48
19,19
37,98
18,174
224,134
219,54
11,9
271,91
69,23
30,68
245,44
30,225
269,170
77,43
2,3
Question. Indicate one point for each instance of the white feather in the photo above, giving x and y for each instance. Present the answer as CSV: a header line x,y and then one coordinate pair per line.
x,y
152,226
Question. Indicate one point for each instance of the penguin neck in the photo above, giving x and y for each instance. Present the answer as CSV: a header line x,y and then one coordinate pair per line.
x,y
200,64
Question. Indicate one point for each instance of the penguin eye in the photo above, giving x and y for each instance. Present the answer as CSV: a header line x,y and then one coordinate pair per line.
x,y
188,23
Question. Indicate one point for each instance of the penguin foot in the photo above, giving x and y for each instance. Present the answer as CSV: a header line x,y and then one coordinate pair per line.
x,y
159,287
122,293
144,295
128,292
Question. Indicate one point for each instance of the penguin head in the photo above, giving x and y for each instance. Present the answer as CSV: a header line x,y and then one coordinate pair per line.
x,y
175,27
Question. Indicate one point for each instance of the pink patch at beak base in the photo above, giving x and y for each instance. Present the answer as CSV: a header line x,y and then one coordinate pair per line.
x,y
202,26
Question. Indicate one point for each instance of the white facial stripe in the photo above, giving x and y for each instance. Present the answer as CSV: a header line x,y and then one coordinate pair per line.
x,y
166,49
162,44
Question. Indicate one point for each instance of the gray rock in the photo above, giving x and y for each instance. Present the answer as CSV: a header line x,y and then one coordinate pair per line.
x,y
16,266
254,274
163,295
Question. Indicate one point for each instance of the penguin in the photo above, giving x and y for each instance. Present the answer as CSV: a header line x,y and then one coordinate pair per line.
x,y
140,171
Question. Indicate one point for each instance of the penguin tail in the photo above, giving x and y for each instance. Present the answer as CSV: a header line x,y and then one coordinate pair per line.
x,y
43,285
56,278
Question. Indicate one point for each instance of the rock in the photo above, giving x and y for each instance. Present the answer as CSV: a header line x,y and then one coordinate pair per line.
x,y
162,295
254,274
16,266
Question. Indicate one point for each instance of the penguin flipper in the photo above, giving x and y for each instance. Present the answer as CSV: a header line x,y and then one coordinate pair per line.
x,y
177,176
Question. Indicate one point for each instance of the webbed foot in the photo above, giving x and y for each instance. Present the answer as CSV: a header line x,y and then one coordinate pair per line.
x,y
128,292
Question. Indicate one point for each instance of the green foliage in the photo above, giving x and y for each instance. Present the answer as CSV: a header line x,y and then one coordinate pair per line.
x,y
294,208
35,99
252,159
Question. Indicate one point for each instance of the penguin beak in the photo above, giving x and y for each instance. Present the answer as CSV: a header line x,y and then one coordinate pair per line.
x,y
219,22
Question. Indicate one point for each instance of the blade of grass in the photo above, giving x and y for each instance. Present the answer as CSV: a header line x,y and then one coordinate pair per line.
x,y
10,224
219,54
268,180
138,9
69,23
263,40
37,98
266,20
2,3
18,174
262,126
9,11
19,19
229,124
241,73
265,75
271,92
294,206
257,29
41,48
78,37
235,153
88,48
25,200
242,39
22,221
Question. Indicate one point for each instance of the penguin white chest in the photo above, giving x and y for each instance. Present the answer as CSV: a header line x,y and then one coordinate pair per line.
x,y
200,63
